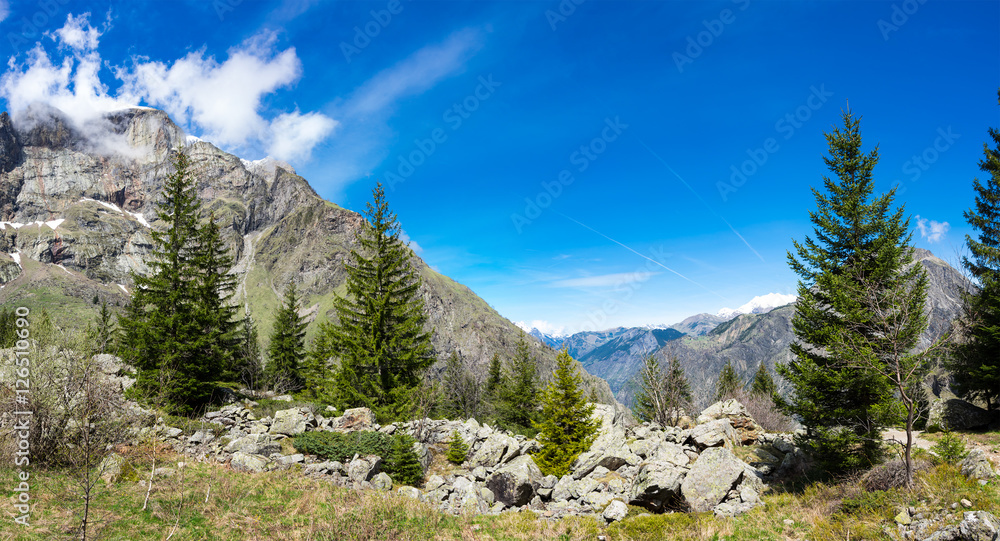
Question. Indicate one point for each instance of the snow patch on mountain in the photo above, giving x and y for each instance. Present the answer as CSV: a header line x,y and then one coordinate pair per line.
x,y
759,305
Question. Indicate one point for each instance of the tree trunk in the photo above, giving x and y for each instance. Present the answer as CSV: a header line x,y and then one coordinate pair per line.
x,y
908,458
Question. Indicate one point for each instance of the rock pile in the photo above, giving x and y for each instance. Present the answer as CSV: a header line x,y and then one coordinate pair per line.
x,y
659,468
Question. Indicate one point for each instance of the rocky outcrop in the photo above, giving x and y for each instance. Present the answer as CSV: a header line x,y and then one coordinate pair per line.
x,y
515,483
712,476
956,414
945,525
977,466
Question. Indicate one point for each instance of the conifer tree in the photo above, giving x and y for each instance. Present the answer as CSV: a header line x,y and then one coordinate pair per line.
x,y
860,253
662,395
457,448
215,314
104,331
567,427
975,363
462,391
729,382
763,384
519,390
250,365
403,464
379,343
168,333
494,377
287,347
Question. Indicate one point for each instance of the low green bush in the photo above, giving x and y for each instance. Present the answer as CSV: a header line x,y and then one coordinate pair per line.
x,y
399,459
950,449
342,447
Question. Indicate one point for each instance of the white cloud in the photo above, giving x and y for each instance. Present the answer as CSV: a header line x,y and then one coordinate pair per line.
x,y
415,74
417,249
605,280
544,326
293,135
77,33
4,9
220,100
930,230
73,86
224,99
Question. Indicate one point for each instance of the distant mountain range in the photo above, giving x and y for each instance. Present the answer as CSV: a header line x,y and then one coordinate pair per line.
x,y
758,332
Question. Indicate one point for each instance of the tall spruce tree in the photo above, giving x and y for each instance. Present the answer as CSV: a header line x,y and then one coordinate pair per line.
x,y
379,342
216,315
860,252
567,427
168,333
517,405
250,363
287,347
728,383
975,362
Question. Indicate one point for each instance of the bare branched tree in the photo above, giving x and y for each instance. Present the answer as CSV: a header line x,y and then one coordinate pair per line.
x,y
890,351
662,395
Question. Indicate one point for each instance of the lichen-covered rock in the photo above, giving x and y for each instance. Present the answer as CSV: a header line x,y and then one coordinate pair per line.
x,y
353,420
609,451
115,468
976,465
292,421
714,434
496,449
711,478
246,462
979,526
742,421
616,510
382,481
515,483
364,468
254,444
656,484
409,492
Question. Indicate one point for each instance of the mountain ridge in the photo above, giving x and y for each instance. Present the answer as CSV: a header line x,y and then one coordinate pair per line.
x,y
275,225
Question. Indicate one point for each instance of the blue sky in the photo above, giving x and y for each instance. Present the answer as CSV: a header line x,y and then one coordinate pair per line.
x,y
572,163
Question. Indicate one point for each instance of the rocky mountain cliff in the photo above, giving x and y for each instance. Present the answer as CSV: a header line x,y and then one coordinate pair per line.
x,y
77,204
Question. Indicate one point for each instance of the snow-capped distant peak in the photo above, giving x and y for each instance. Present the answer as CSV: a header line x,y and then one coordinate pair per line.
x,y
539,327
759,305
